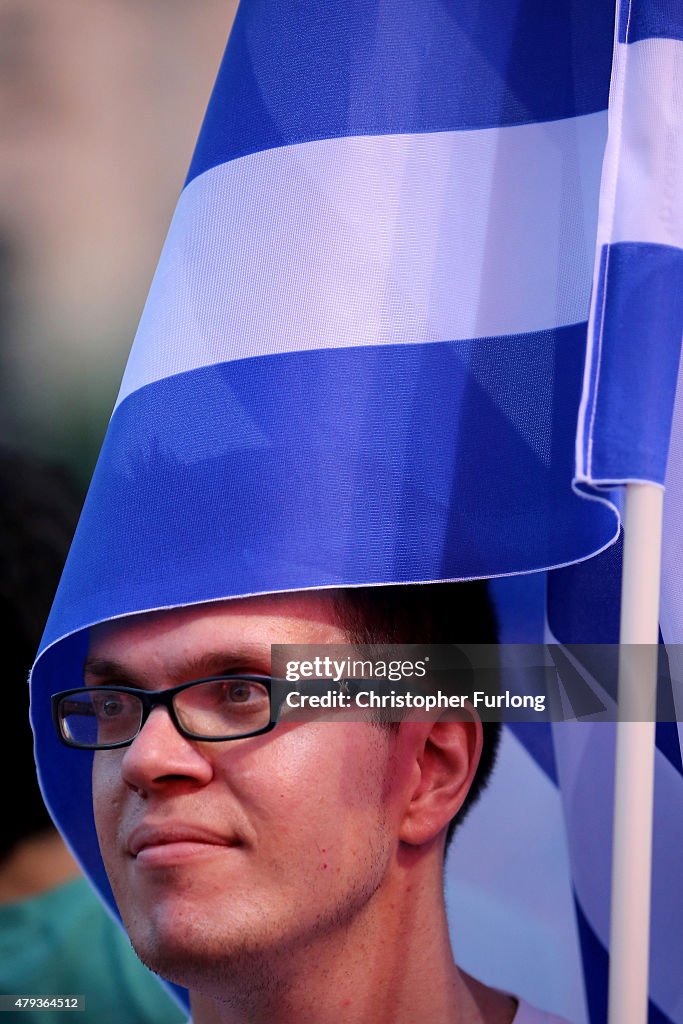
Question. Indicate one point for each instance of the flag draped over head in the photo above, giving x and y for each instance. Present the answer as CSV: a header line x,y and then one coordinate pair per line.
x,y
362,354
386,237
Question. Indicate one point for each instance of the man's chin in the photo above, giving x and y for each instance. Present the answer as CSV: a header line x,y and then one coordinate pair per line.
x,y
180,960
207,970
192,953
167,941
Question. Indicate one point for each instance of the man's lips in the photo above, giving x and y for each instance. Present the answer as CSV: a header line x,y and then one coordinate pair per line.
x,y
175,841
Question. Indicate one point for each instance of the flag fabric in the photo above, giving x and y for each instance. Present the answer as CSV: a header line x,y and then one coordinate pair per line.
x,y
630,409
374,255
508,880
636,322
584,608
362,354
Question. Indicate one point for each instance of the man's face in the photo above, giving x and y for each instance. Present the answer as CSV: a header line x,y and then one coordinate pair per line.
x,y
237,850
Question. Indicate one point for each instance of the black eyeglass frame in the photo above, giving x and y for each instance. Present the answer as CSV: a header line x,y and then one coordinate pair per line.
x,y
164,698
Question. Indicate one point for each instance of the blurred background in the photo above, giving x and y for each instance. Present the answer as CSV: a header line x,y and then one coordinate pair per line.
x,y
100,105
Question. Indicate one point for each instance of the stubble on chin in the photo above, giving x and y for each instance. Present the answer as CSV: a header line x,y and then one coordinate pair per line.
x,y
237,965
246,959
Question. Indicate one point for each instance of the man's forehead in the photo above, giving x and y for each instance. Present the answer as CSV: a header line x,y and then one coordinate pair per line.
x,y
300,617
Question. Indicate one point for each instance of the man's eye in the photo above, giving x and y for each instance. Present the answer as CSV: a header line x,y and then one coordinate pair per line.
x,y
109,707
242,692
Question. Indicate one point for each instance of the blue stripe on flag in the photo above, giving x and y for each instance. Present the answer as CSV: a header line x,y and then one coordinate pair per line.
x,y
640,322
595,968
369,67
648,19
596,972
669,744
292,458
520,603
583,603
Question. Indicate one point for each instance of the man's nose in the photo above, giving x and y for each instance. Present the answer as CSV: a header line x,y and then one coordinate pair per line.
x,y
159,756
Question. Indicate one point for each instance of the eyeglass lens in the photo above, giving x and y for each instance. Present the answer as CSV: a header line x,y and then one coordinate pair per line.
x,y
217,708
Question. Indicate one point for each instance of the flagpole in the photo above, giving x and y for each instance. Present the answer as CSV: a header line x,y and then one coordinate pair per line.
x,y
634,776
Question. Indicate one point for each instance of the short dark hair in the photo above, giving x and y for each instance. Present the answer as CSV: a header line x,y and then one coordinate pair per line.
x,y
39,507
428,613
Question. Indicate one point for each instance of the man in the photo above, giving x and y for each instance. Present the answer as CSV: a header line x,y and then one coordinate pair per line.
x,y
324,392
296,874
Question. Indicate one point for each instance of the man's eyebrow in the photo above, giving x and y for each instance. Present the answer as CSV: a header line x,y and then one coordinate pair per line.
x,y
104,668
247,659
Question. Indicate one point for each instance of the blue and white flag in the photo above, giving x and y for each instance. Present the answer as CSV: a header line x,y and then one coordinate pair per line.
x,y
632,398
636,322
362,355
584,608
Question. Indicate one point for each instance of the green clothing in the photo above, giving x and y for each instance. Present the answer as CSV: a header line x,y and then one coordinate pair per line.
x,y
63,942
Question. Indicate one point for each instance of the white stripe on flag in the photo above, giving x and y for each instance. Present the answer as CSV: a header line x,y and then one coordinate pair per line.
x,y
384,240
644,156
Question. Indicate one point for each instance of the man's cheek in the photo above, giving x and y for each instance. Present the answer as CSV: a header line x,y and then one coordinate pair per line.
x,y
106,798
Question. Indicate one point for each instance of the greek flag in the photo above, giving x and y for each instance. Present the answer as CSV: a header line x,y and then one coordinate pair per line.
x,y
630,408
362,356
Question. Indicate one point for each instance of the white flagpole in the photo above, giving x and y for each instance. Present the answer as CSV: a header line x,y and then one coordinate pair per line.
x,y
634,777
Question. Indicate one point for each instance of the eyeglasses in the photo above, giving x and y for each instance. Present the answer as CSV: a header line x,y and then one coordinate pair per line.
x,y
215,709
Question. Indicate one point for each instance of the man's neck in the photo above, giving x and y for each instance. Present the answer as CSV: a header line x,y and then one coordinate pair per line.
x,y
387,967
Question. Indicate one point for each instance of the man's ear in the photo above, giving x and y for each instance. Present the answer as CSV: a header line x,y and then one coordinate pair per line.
x,y
446,755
